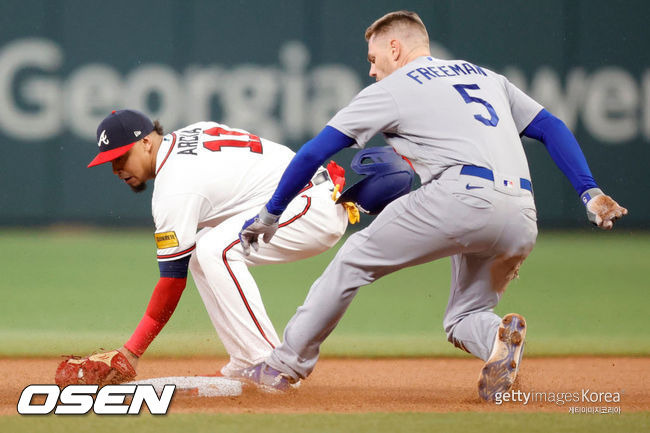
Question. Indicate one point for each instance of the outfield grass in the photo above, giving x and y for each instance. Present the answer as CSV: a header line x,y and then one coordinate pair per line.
x,y
336,423
77,291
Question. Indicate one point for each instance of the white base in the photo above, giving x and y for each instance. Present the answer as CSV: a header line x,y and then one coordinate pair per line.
x,y
200,386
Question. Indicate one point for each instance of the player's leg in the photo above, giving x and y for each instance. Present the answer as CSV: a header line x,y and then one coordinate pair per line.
x,y
312,224
231,296
470,321
221,321
479,278
471,324
478,282
410,231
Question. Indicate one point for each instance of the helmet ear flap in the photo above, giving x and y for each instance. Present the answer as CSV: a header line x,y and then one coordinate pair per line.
x,y
387,177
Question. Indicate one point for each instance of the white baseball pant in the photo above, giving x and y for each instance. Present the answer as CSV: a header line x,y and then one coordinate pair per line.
x,y
312,224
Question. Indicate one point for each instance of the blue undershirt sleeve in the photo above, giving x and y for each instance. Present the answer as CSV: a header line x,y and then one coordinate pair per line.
x,y
563,148
304,164
174,268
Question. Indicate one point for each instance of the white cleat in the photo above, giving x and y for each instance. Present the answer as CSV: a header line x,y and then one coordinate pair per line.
x,y
268,379
500,370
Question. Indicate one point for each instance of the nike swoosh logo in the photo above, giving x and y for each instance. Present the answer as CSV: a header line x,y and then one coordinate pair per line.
x,y
468,186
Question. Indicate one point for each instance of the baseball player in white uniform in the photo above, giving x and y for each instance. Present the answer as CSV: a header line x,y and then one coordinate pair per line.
x,y
208,180
459,124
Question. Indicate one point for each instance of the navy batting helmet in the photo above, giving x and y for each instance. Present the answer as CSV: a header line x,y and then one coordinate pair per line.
x,y
388,176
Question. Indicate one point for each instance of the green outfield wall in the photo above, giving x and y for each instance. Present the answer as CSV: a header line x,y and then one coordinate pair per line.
x,y
281,69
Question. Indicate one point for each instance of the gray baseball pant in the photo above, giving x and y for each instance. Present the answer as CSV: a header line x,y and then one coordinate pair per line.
x,y
487,231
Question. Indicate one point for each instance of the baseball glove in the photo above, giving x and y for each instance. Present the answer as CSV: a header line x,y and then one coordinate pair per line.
x,y
98,369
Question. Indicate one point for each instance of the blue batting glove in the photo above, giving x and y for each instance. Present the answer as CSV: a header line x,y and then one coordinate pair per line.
x,y
264,223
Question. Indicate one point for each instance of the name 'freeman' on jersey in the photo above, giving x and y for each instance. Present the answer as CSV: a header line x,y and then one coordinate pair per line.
x,y
454,70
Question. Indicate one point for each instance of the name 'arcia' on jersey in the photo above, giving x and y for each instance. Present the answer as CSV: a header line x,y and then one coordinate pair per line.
x,y
188,140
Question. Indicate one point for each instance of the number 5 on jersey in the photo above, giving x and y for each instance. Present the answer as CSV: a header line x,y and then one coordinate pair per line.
x,y
462,89
229,138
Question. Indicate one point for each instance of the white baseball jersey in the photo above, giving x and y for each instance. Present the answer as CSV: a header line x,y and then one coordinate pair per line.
x,y
437,137
206,173
212,177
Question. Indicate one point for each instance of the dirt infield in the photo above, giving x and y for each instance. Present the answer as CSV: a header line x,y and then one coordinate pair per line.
x,y
388,385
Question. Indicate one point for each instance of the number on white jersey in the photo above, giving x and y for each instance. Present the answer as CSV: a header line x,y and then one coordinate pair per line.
x,y
231,139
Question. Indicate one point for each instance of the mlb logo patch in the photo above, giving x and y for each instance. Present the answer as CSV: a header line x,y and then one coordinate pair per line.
x,y
507,184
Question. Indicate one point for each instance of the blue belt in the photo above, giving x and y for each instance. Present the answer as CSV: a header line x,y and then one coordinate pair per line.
x,y
486,173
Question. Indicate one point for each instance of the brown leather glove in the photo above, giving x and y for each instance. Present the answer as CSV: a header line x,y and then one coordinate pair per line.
x,y
98,369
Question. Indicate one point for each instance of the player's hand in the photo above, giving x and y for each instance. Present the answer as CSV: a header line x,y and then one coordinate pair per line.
x,y
602,210
264,223
98,369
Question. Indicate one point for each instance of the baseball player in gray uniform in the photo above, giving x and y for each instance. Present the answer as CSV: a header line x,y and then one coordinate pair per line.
x,y
459,124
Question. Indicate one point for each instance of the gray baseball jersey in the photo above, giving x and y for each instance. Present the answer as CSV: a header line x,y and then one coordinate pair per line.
x,y
417,108
445,116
